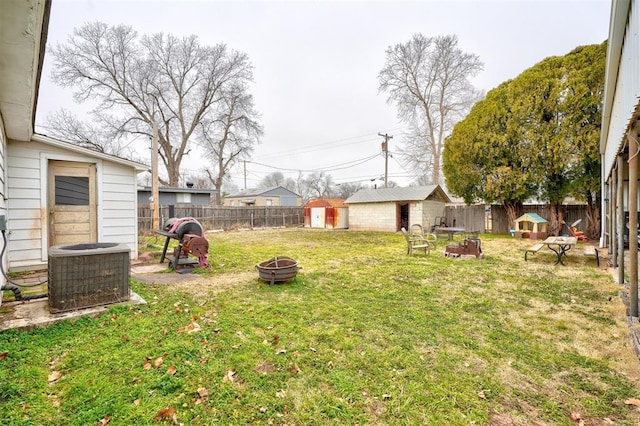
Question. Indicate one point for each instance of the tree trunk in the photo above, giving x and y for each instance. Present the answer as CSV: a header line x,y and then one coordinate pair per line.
x,y
555,220
513,211
593,217
435,178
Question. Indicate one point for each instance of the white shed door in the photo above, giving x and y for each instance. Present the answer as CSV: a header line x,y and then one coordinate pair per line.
x,y
317,217
72,203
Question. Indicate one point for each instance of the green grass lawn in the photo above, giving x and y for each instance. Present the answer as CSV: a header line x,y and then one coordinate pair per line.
x,y
363,335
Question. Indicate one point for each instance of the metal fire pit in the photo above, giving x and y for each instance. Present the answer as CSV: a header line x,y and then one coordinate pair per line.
x,y
467,247
277,269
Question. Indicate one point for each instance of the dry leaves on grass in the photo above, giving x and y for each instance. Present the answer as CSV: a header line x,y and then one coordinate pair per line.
x,y
157,362
168,413
54,376
265,368
194,327
3,355
295,370
633,401
104,421
203,394
577,418
230,376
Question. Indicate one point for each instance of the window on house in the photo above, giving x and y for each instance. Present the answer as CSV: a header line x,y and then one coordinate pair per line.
x,y
183,198
269,202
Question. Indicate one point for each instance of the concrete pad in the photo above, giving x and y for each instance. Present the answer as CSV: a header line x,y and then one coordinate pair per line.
x,y
27,315
149,268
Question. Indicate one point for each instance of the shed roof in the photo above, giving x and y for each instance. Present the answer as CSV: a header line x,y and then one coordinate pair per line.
x,y
326,202
47,140
414,193
532,217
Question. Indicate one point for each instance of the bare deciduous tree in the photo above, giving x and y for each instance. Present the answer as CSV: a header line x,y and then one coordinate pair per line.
x,y
272,179
66,126
427,78
230,135
319,184
173,81
278,179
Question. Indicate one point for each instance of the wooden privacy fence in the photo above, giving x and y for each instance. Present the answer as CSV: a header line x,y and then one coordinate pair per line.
x,y
472,218
483,218
571,213
493,219
226,217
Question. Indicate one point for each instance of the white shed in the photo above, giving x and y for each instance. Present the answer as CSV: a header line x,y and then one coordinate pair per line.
x,y
60,193
389,209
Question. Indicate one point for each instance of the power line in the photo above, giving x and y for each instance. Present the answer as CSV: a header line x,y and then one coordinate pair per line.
x,y
341,166
329,144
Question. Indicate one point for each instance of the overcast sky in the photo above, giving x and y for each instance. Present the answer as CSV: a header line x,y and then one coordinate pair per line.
x,y
317,63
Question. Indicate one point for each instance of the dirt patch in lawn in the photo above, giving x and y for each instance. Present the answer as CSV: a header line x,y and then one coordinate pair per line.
x,y
202,286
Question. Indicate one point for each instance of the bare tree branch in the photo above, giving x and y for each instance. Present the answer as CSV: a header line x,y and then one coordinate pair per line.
x,y
173,81
427,79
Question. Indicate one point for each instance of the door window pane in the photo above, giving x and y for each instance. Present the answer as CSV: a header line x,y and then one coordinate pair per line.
x,y
72,191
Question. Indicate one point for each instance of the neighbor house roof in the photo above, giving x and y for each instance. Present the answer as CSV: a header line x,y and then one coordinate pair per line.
x,y
266,192
414,193
175,190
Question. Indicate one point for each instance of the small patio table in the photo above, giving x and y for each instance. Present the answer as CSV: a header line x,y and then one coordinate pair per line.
x,y
560,246
450,231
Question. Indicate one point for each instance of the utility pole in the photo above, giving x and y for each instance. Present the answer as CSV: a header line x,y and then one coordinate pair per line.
x,y
385,149
155,193
245,175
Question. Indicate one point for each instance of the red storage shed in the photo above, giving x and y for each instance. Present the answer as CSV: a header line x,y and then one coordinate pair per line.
x,y
329,213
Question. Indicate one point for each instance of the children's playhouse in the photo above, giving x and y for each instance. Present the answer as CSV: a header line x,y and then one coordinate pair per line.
x,y
531,225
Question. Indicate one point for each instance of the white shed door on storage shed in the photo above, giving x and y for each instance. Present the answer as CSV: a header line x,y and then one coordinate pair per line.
x,y
72,203
317,217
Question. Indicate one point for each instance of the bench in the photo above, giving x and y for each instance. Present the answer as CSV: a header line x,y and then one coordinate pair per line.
x,y
533,249
592,251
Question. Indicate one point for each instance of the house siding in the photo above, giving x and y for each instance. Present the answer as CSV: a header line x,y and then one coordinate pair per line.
x,y
27,193
26,215
278,196
626,90
170,198
117,220
3,192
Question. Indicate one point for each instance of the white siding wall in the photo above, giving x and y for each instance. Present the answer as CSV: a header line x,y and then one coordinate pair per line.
x,y
373,217
627,89
118,217
27,202
25,227
3,195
